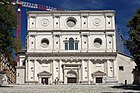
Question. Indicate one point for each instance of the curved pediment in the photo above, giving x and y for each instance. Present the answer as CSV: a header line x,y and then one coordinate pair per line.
x,y
44,73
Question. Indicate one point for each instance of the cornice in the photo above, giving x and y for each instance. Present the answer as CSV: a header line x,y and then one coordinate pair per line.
x,y
71,57
72,54
70,12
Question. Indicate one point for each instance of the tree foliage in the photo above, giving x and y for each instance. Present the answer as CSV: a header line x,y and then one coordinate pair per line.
x,y
7,27
133,42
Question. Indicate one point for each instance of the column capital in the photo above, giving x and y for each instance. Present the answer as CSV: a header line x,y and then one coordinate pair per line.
x,y
86,59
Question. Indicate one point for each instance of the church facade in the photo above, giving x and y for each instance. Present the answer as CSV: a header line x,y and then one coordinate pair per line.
x,y
72,47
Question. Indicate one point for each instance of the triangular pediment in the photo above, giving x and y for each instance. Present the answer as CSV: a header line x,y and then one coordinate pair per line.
x,y
98,73
44,73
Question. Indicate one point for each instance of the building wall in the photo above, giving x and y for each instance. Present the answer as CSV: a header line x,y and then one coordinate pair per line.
x,y
52,51
128,65
88,27
85,43
20,75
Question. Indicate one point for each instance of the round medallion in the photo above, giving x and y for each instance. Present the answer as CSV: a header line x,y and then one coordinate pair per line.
x,y
97,22
45,22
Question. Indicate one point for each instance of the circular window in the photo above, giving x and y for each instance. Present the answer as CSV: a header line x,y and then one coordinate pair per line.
x,y
44,42
71,22
97,42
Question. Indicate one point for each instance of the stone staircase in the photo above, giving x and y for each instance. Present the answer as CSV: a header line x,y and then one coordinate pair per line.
x,y
72,88
111,80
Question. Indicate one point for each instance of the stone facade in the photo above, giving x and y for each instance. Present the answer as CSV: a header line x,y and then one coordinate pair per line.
x,y
71,47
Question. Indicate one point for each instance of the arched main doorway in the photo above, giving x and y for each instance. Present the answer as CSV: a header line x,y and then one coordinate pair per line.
x,y
71,77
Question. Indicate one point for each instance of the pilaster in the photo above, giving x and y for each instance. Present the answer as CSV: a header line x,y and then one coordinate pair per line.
x,y
108,68
60,71
26,70
54,70
83,70
88,66
34,71
115,65
65,78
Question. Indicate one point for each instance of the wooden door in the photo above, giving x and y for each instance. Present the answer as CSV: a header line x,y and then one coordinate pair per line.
x,y
98,79
71,80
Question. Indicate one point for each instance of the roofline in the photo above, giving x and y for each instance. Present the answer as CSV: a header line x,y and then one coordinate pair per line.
x,y
80,11
124,54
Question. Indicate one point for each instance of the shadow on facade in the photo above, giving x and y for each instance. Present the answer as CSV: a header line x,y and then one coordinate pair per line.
x,y
120,92
127,87
6,86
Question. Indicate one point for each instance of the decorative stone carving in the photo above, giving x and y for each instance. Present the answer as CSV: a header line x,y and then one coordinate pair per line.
x,y
44,73
97,22
45,22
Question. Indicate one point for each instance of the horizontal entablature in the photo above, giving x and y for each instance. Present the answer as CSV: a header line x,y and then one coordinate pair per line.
x,y
72,54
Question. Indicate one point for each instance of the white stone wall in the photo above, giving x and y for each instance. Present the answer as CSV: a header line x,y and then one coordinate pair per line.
x,y
88,27
89,20
128,66
20,75
85,42
94,31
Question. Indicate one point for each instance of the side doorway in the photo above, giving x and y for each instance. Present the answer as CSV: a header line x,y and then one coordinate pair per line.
x,y
71,80
72,77
99,80
44,81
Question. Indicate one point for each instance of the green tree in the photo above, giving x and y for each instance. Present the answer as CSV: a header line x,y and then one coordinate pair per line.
x,y
133,42
7,28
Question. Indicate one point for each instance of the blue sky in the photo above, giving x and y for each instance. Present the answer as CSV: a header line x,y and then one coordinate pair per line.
x,y
125,9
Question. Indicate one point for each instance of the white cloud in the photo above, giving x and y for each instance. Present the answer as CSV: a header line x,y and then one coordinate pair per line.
x,y
97,3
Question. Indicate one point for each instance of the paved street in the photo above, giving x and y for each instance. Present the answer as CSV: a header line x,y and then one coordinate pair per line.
x,y
63,89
